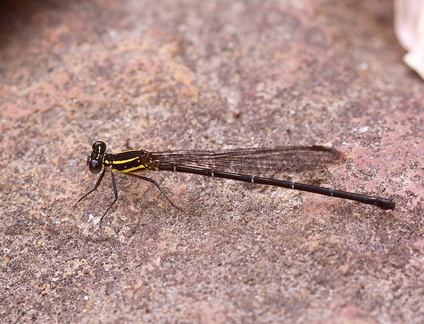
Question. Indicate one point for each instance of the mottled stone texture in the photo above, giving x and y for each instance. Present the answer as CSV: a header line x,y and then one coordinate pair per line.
x,y
172,74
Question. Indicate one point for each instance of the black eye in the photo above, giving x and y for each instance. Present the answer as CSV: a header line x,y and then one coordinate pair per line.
x,y
95,166
99,147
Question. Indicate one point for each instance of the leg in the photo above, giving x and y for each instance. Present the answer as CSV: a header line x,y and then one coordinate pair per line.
x,y
94,189
157,186
115,191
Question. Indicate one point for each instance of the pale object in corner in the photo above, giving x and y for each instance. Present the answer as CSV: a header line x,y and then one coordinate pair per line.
x,y
409,27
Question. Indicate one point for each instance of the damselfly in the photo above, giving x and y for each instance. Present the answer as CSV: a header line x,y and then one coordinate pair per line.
x,y
235,164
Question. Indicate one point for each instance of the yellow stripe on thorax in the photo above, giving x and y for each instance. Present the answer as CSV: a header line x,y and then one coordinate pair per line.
x,y
137,169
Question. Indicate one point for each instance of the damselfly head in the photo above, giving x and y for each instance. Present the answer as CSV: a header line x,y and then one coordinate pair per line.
x,y
95,166
95,160
99,147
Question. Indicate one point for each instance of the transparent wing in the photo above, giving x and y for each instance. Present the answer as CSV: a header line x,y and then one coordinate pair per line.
x,y
277,159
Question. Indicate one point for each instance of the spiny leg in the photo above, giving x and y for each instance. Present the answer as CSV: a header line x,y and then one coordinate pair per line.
x,y
157,186
115,191
94,189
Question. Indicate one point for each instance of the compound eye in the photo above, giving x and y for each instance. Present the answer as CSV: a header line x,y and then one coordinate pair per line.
x,y
95,166
99,147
